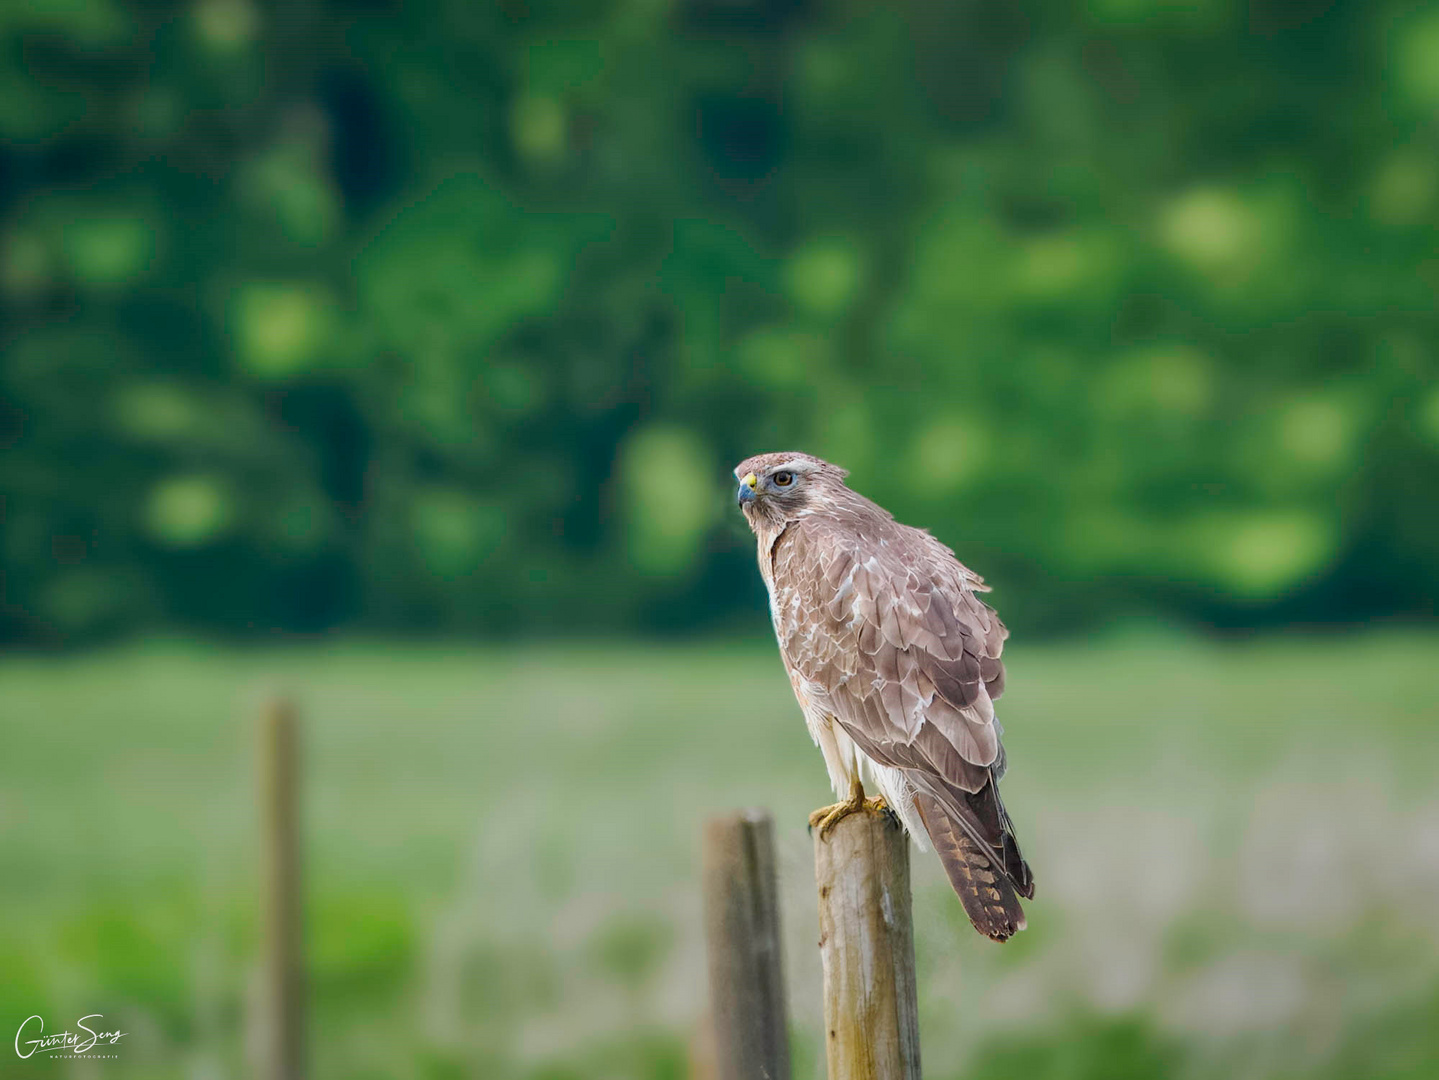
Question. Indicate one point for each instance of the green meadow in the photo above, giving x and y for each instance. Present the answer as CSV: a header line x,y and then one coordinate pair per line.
x,y
1236,847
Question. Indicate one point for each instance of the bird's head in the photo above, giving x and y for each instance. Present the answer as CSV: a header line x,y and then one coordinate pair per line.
x,y
776,488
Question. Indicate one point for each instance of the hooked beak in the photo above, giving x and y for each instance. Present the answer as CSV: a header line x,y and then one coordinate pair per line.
x,y
747,488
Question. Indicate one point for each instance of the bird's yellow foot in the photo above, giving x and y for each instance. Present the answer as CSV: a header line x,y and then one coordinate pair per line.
x,y
827,817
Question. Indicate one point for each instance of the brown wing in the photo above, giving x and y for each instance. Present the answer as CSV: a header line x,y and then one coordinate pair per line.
x,y
885,621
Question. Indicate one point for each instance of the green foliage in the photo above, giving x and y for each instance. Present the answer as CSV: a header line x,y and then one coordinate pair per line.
x,y
126,946
1086,1048
629,951
642,1056
671,497
455,317
361,946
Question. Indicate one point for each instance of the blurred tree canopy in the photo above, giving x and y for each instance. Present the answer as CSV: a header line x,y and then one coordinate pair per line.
x,y
455,315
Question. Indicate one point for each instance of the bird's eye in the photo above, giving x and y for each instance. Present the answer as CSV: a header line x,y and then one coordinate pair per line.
x,y
783,479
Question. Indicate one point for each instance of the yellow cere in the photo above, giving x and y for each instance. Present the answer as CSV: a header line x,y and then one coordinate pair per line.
x,y
750,481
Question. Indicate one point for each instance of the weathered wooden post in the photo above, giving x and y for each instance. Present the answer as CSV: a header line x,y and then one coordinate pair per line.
x,y
866,944
281,1020
749,1025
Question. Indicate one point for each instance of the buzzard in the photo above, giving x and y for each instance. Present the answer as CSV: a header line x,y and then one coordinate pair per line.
x,y
895,662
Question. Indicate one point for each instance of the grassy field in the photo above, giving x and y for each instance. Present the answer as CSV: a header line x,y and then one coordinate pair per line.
x,y
1236,848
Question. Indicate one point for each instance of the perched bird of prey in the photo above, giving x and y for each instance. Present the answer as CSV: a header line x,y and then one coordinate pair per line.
x,y
895,662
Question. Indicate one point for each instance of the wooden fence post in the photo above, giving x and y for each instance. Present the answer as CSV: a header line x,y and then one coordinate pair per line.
x,y
749,1025
866,943
282,997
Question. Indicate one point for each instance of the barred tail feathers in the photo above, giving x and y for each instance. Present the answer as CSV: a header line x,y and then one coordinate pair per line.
x,y
975,842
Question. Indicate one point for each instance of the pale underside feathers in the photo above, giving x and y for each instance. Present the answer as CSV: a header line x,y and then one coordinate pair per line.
x,y
884,636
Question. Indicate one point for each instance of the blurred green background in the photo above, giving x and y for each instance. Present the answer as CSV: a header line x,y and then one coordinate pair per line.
x,y
397,355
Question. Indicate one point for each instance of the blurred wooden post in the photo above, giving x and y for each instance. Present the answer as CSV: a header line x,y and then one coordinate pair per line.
x,y
749,1026
281,1005
866,943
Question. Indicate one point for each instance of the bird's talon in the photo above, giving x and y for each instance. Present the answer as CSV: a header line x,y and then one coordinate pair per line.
x,y
827,817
